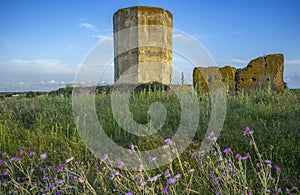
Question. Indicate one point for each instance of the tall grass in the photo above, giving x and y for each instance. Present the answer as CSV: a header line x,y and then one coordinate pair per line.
x,y
45,125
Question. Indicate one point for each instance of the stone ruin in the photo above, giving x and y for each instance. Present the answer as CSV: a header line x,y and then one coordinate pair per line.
x,y
144,54
143,44
259,73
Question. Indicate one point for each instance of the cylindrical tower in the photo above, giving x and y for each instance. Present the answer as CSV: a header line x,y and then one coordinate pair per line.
x,y
143,44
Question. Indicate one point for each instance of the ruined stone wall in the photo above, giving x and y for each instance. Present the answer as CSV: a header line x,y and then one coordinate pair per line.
x,y
262,71
259,73
214,77
149,30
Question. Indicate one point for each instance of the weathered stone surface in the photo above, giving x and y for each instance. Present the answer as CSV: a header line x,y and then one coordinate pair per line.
x,y
228,74
259,73
143,44
214,77
262,71
207,78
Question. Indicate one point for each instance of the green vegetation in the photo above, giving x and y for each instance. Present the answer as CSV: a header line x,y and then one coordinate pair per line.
x,y
41,151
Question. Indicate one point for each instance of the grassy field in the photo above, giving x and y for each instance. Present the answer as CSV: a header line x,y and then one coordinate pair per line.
x,y
42,152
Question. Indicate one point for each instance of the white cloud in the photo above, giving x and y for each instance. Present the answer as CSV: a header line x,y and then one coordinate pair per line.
x,y
40,66
32,86
292,73
89,26
293,62
97,33
38,74
239,61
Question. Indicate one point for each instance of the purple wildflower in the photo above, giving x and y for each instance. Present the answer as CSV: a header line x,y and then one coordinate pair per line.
x,y
177,176
43,156
129,193
171,181
120,164
245,131
200,166
5,172
4,153
31,153
229,164
168,141
268,191
277,167
131,147
198,156
227,151
246,156
166,190
217,185
45,178
21,152
154,178
268,161
278,191
251,142
30,171
60,167
59,182
1,161
215,153
14,159
192,155
113,174
167,173
143,183
210,174
237,156
69,159
287,190
250,132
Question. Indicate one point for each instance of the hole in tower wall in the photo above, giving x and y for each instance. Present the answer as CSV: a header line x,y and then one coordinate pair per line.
x,y
253,79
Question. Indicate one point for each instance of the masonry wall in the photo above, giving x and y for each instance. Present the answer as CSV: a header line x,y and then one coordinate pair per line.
x,y
149,29
259,73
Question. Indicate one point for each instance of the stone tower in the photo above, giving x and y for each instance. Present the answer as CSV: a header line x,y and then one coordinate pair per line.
x,y
143,44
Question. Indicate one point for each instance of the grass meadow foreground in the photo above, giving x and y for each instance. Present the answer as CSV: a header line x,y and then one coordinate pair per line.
x,y
258,151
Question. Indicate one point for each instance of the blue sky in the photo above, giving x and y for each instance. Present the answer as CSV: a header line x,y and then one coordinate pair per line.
x,y
42,43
